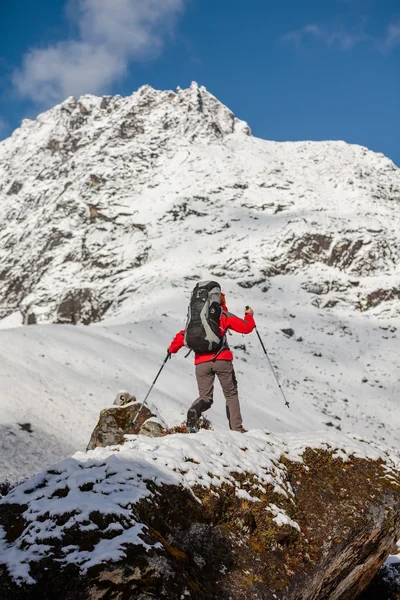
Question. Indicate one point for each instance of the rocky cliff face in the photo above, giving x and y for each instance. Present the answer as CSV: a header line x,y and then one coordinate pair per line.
x,y
208,516
100,197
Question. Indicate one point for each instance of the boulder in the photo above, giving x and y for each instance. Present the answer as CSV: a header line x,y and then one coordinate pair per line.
x,y
121,419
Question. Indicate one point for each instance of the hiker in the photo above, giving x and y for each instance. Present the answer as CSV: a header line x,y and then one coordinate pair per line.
x,y
218,361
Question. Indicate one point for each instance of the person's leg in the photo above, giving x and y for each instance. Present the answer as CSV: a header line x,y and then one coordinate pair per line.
x,y
227,378
205,382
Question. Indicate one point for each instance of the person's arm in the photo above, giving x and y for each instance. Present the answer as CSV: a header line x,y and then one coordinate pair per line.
x,y
177,342
245,325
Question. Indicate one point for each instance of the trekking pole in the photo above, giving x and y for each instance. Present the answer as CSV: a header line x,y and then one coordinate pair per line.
x,y
270,364
152,385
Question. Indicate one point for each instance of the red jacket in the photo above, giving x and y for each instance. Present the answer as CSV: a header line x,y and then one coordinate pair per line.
x,y
228,321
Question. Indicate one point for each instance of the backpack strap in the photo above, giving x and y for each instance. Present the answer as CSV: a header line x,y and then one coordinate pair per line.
x,y
224,345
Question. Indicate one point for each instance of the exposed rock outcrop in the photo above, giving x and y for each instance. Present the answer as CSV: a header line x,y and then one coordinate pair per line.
x,y
123,419
81,306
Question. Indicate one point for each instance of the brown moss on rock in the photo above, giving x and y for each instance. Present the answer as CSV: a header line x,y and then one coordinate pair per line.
x,y
349,514
117,421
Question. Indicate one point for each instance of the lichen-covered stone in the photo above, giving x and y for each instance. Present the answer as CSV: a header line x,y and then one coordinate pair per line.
x,y
118,421
151,428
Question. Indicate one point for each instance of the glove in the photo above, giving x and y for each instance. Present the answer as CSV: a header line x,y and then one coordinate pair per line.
x,y
249,311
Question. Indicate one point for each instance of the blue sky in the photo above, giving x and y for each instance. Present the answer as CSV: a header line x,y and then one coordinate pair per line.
x,y
294,69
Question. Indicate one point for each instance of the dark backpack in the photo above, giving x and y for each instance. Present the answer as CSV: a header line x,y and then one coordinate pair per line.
x,y
202,332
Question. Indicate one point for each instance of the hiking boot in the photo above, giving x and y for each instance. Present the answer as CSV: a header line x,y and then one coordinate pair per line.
x,y
241,430
191,421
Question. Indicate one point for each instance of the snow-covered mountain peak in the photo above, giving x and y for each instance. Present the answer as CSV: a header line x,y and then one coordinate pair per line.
x,y
162,115
100,195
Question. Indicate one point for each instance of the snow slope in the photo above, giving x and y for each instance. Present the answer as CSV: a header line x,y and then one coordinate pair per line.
x,y
112,208
59,377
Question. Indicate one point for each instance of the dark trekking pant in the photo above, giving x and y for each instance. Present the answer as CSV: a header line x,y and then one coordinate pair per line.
x,y
205,375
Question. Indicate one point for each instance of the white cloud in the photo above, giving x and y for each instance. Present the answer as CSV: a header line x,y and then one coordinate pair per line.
x,y
344,39
112,33
331,37
392,38
297,36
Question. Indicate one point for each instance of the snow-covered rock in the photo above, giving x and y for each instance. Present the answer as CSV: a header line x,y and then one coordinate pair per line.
x,y
227,516
116,422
